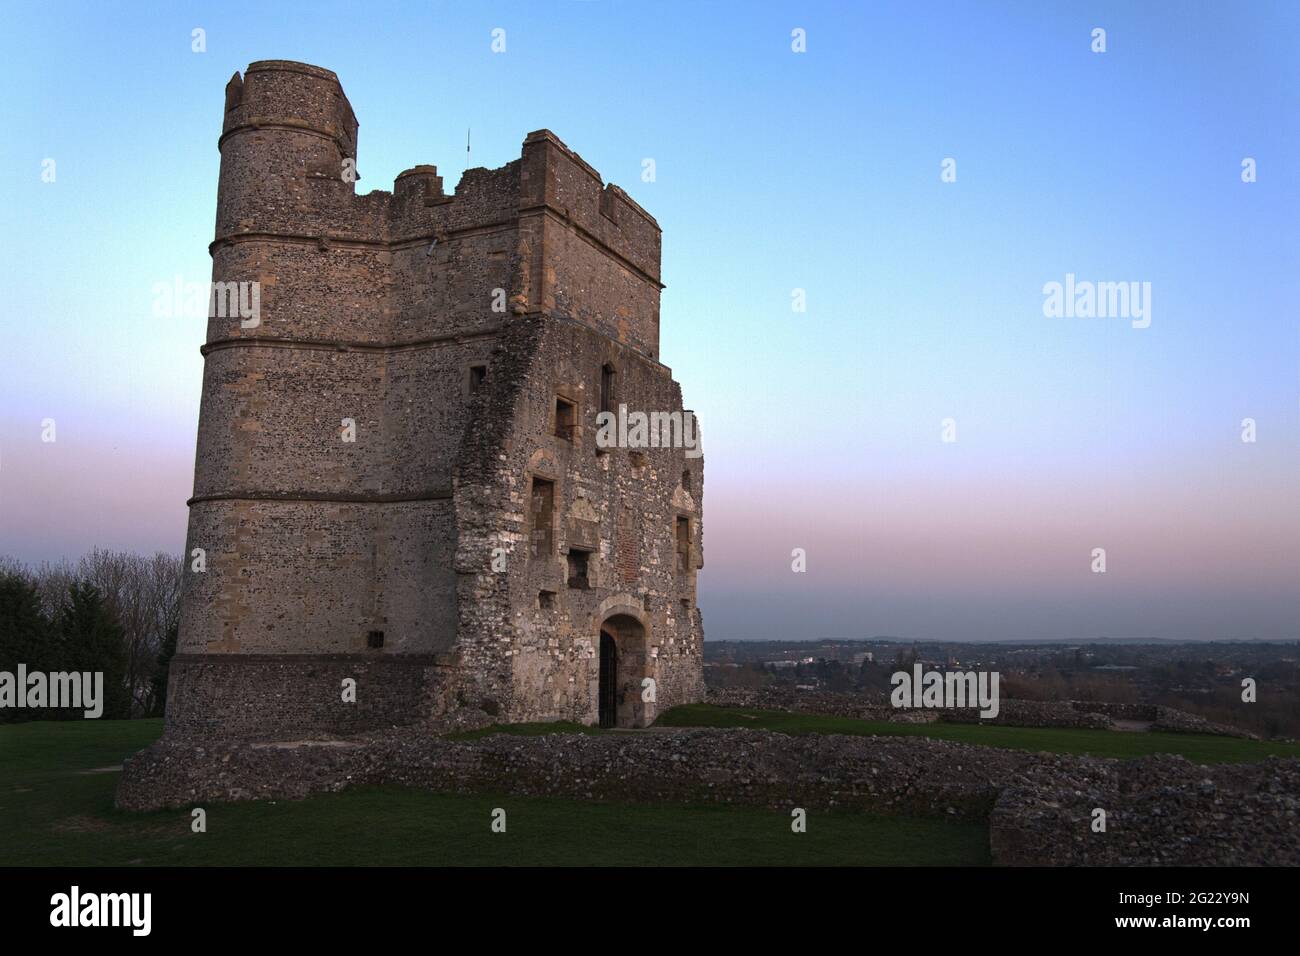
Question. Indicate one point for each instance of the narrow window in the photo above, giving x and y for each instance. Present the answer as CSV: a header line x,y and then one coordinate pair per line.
x,y
578,569
686,481
543,507
683,545
566,416
477,376
607,388
375,639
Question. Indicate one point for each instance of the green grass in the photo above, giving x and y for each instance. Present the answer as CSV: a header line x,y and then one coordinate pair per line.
x,y
56,808
1200,748
54,813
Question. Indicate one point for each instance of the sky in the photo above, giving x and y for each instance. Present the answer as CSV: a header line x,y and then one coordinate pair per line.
x,y
775,171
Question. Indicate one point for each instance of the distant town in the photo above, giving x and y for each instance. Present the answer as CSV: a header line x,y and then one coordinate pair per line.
x,y
1203,678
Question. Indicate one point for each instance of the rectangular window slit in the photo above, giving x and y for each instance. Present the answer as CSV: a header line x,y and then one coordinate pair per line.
x,y
566,419
542,508
607,388
578,569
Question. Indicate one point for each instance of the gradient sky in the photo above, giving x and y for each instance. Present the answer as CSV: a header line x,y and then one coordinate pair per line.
x,y
775,171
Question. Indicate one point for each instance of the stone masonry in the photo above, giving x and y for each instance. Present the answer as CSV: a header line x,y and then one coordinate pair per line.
x,y
1039,807
463,544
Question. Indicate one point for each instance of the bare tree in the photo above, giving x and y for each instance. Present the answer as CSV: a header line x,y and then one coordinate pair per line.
x,y
143,592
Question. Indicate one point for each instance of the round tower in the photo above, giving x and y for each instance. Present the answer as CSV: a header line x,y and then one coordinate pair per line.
x,y
288,132
289,524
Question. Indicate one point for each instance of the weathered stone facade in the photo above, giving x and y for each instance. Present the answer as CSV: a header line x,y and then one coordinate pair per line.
x,y
466,550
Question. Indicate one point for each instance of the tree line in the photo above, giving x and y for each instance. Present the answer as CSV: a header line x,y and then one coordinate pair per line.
x,y
111,611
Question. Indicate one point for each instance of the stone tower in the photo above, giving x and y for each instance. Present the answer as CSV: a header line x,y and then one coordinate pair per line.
x,y
398,477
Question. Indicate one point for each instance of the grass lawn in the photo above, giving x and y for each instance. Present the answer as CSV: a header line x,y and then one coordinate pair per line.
x,y
1200,748
56,808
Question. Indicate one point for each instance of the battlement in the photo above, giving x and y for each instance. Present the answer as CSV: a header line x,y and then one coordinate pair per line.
x,y
293,95
419,261
545,135
558,179
423,180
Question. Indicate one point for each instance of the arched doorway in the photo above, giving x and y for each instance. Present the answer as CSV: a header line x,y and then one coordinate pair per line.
x,y
608,680
622,668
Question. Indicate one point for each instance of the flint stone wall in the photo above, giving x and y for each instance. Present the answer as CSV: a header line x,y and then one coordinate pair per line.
x,y
1160,810
287,696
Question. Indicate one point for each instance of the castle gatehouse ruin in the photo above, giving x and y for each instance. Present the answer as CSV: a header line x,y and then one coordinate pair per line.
x,y
401,511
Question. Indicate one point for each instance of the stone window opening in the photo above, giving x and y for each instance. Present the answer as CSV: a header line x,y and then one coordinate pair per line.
x,y
578,565
686,481
542,511
566,418
607,396
477,378
683,545
546,600
375,640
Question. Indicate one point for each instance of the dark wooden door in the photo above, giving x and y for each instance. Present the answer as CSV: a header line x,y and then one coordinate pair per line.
x,y
608,681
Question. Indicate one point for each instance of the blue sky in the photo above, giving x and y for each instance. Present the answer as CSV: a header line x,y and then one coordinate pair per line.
x,y
774,171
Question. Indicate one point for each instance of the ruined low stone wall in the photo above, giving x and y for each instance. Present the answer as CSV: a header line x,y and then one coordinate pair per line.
x,y
857,706
1163,718
1176,721
1032,713
883,774
1116,711
1020,713
1160,810
1016,713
